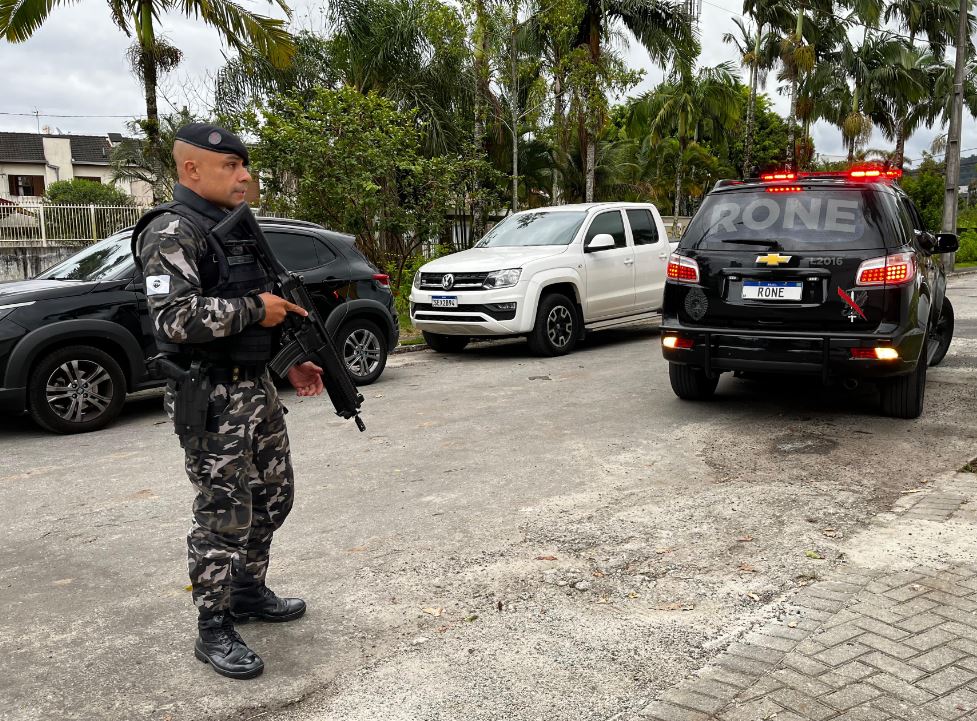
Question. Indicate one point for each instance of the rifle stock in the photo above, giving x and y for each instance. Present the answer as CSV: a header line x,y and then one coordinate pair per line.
x,y
304,338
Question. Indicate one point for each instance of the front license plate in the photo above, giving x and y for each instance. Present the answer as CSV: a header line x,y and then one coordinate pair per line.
x,y
444,301
771,290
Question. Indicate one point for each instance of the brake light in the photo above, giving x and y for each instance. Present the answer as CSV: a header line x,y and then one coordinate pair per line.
x,y
784,189
881,353
382,279
865,173
677,343
897,269
870,173
781,175
682,269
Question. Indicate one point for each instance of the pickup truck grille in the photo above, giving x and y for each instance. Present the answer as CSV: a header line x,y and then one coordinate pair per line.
x,y
463,281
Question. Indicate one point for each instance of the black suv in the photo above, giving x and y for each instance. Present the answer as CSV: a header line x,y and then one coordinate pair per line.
x,y
829,274
82,325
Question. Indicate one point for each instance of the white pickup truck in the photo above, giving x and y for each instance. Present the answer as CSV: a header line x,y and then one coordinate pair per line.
x,y
547,274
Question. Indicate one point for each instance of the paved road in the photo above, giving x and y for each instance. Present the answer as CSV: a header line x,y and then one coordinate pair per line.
x,y
512,538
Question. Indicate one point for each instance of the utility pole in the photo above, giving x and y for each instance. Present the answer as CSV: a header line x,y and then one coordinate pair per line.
x,y
953,135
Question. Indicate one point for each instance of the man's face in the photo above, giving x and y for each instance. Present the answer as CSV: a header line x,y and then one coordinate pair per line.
x,y
221,178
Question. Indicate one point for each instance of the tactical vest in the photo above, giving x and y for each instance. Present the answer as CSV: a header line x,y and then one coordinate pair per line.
x,y
223,274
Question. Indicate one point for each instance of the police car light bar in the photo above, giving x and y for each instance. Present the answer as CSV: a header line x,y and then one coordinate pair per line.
x,y
856,173
781,175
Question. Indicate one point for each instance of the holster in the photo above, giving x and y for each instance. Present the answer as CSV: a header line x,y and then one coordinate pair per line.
x,y
191,397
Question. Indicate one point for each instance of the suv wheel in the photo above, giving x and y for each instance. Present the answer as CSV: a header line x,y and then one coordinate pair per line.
x,y
556,331
364,352
691,384
75,390
445,343
903,397
942,333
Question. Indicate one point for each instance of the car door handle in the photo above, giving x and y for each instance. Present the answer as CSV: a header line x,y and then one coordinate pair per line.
x,y
629,261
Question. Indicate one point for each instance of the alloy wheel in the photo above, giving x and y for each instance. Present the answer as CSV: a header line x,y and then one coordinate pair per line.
x,y
559,326
362,352
79,390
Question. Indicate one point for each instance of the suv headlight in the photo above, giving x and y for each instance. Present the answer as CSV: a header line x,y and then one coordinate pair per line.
x,y
417,279
503,278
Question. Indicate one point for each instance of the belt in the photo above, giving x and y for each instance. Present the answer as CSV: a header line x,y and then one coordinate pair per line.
x,y
235,374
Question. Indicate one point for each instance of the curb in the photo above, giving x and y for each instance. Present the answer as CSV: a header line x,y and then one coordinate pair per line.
x,y
958,273
409,348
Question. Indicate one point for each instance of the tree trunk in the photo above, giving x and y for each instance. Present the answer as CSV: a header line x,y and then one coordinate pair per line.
x,y
592,121
792,123
900,155
150,77
952,189
591,163
560,150
751,107
514,110
481,93
679,167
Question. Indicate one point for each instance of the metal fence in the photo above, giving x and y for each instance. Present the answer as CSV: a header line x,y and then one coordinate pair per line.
x,y
63,224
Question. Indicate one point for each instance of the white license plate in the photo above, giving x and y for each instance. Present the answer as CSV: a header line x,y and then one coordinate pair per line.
x,y
772,290
444,301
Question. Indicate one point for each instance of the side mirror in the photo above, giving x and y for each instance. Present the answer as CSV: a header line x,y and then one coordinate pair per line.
x,y
601,241
947,243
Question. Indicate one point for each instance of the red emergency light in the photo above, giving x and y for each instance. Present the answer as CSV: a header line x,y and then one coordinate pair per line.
x,y
780,175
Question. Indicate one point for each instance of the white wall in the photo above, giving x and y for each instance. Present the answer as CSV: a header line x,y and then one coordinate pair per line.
x,y
57,152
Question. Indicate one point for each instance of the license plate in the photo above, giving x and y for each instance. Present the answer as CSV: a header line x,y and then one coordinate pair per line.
x,y
444,301
772,290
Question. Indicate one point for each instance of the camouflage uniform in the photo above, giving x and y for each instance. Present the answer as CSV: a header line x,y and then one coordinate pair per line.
x,y
240,465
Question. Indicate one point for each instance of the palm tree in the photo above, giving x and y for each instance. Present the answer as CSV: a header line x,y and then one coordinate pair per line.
x,y
663,27
691,106
150,54
936,20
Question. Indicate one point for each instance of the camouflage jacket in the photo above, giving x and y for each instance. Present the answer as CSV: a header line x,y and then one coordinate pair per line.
x,y
169,250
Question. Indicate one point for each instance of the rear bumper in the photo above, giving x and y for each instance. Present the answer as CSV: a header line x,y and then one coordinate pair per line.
x,y
828,355
13,401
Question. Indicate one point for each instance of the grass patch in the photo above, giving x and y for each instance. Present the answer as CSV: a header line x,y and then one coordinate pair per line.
x,y
968,264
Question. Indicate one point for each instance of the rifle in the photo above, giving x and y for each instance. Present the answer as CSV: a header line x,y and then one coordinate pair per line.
x,y
304,338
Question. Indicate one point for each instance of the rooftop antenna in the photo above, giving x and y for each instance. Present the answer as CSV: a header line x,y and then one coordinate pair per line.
x,y
37,117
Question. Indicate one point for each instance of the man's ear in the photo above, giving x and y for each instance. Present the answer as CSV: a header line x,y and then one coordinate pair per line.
x,y
190,169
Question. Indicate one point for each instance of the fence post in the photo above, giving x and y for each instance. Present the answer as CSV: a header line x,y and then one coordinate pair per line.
x,y
43,227
91,209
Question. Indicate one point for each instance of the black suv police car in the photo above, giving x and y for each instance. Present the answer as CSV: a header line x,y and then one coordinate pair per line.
x,y
829,274
73,340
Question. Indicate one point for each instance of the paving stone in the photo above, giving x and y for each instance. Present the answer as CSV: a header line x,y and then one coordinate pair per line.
x,y
955,614
695,701
801,682
840,586
948,599
819,604
754,711
887,630
863,713
855,670
877,612
775,642
901,710
915,624
917,605
892,666
840,634
929,639
844,616
966,645
764,687
906,593
969,663
942,583
755,653
900,689
947,680
853,695
783,631
842,653
805,664
953,705
724,675
663,711
893,648
713,688
802,704
745,666
938,658
820,590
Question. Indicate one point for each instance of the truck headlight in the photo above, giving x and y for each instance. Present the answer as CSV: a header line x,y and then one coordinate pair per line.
x,y
417,279
503,278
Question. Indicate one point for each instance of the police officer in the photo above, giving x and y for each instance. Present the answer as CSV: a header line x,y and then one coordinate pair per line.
x,y
214,312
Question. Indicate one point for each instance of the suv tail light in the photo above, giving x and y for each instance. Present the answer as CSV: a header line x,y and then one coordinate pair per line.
x,y
897,269
682,269
382,279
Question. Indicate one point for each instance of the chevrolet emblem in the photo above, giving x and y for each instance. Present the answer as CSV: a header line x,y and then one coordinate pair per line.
x,y
773,259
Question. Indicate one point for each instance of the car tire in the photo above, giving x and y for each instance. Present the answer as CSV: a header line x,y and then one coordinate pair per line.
x,y
691,384
941,334
445,343
556,330
903,397
362,347
76,389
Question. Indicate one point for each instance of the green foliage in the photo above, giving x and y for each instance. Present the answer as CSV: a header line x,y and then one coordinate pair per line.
x,y
968,247
769,136
405,276
926,187
134,159
355,163
85,192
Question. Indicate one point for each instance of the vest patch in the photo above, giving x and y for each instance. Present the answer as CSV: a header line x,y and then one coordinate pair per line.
x,y
157,284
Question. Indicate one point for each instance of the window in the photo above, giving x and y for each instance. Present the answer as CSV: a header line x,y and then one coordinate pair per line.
x,y
21,185
89,178
326,254
643,227
295,251
610,223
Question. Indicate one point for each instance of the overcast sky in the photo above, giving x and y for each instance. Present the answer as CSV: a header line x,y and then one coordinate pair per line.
x,y
75,66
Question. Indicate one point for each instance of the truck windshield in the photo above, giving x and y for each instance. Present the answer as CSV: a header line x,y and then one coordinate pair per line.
x,y
535,228
108,259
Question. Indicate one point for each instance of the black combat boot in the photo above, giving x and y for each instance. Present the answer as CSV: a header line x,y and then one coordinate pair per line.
x,y
259,603
220,645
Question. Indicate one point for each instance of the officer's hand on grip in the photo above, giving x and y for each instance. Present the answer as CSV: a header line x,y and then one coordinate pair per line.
x,y
277,308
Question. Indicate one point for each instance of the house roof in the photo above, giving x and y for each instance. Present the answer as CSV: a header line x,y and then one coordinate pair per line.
x,y
85,149
21,148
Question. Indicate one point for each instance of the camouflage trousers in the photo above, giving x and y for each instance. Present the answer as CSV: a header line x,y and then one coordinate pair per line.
x,y
242,471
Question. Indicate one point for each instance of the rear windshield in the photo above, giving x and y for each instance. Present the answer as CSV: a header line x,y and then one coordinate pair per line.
x,y
833,218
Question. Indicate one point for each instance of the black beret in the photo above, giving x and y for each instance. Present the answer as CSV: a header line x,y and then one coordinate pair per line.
x,y
214,138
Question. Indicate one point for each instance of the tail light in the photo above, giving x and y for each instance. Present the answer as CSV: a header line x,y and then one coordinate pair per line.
x,y
880,353
677,342
682,269
897,269
382,279
785,189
